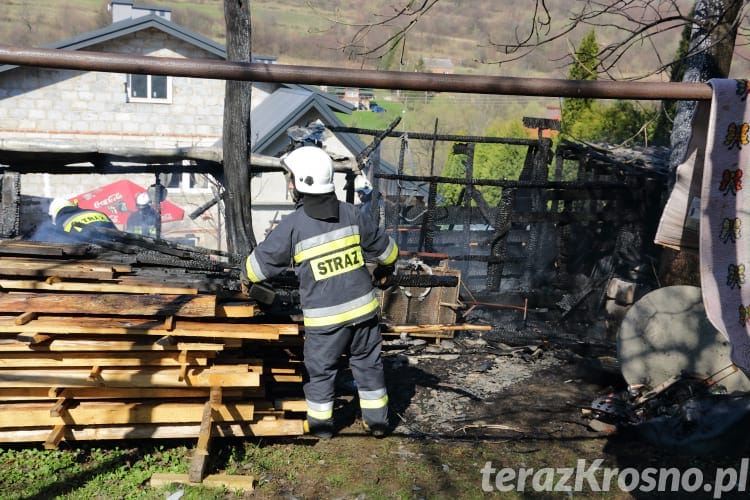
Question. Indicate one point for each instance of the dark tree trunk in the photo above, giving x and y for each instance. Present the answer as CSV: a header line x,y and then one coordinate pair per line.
x,y
711,44
236,135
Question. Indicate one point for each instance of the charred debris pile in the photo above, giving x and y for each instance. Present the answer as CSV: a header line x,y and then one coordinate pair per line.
x,y
571,239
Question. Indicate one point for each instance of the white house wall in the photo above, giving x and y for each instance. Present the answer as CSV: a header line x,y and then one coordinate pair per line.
x,y
91,109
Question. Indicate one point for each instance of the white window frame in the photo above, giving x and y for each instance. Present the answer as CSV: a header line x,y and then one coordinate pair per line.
x,y
161,100
183,184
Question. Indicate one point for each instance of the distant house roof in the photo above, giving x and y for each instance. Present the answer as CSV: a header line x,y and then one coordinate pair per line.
x,y
128,26
271,118
122,9
438,63
282,109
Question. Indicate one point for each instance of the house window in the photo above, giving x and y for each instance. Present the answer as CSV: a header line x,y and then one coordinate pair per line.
x,y
149,88
190,182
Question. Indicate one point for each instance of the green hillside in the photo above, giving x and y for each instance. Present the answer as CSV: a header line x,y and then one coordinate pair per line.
x,y
318,33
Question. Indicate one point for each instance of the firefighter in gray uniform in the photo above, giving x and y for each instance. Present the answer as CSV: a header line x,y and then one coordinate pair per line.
x,y
328,242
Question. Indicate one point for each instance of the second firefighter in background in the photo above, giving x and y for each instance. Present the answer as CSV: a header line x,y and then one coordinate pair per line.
x,y
328,242
143,220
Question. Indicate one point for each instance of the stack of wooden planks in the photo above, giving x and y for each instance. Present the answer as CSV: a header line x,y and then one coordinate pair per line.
x,y
92,348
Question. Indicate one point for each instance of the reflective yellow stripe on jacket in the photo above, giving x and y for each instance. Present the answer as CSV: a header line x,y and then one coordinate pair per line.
x,y
83,219
331,254
390,254
332,241
341,313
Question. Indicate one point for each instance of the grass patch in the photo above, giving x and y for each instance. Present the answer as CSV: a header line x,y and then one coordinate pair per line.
x,y
95,472
371,120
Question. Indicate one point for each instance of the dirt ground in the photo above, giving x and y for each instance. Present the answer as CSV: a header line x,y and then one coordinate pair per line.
x,y
476,403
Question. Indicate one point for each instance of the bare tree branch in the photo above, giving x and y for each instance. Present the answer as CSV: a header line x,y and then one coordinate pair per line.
x,y
635,24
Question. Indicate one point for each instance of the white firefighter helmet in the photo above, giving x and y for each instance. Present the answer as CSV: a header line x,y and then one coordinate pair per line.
x,y
362,184
56,205
142,199
311,168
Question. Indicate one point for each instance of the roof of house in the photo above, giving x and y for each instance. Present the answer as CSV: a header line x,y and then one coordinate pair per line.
x,y
282,109
128,26
270,118
438,62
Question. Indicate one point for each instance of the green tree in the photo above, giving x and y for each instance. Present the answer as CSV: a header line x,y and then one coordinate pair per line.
x,y
583,68
621,122
587,119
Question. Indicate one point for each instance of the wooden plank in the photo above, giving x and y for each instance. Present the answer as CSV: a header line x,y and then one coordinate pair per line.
x,y
293,405
225,376
72,343
37,249
61,286
67,325
285,378
198,463
237,310
81,269
54,438
169,323
24,318
258,428
225,481
83,359
59,407
275,427
120,413
185,327
110,303
140,393
33,339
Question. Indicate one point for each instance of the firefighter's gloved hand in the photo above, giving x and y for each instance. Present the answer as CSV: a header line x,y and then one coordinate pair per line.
x,y
383,275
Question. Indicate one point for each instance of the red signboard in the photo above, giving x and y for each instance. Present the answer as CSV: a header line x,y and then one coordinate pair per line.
x,y
117,200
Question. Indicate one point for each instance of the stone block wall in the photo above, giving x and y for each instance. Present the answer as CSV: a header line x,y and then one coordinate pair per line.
x,y
93,107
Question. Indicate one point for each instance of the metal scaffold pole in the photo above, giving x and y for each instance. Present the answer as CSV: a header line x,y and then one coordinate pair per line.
x,y
313,75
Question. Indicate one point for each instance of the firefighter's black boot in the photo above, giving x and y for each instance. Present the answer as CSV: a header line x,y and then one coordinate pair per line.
x,y
376,430
322,429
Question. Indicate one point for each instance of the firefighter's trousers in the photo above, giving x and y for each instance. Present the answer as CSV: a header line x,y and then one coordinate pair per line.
x,y
322,352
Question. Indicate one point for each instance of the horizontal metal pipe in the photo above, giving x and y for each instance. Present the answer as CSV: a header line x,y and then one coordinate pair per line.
x,y
347,77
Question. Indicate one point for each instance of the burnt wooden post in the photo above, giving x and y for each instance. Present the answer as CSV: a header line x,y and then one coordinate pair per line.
x,y
498,250
468,151
427,235
236,135
394,221
10,204
350,186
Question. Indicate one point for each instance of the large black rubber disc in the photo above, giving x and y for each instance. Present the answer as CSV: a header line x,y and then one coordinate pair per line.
x,y
666,333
